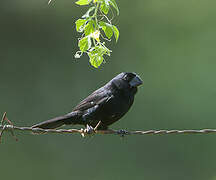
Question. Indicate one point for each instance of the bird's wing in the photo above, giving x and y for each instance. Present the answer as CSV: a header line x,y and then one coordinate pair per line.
x,y
98,97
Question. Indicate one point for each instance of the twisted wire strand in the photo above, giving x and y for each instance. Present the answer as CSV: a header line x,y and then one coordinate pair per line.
x,y
91,131
109,131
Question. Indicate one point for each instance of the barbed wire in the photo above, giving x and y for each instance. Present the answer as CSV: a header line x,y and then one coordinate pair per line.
x,y
91,131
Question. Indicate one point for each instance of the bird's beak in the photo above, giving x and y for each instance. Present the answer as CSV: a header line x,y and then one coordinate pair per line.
x,y
136,81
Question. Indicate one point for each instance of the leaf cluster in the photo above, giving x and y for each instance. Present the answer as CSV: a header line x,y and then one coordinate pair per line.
x,y
93,24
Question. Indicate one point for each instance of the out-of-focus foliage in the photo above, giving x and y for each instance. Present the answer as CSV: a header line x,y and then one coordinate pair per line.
x,y
170,44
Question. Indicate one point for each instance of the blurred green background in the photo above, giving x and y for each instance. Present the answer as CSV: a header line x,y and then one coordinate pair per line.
x,y
171,44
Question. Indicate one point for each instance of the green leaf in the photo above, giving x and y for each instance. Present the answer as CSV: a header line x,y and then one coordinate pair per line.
x,y
107,28
106,2
96,55
104,8
106,50
86,15
114,4
116,32
79,24
95,61
85,43
83,2
89,28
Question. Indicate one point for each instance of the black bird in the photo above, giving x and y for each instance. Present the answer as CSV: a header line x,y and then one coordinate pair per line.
x,y
107,104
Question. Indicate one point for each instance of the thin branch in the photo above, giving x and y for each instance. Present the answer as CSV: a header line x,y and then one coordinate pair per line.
x,y
49,2
104,16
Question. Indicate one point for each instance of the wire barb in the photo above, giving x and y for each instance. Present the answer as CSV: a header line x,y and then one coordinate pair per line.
x,y
8,126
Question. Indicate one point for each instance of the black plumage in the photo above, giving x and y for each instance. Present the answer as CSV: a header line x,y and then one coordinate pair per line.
x,y
107,104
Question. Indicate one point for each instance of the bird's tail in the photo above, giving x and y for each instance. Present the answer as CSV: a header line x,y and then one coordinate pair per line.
x,y
70,118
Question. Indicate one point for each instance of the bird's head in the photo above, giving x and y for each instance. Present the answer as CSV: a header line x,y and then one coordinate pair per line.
x,y
127,80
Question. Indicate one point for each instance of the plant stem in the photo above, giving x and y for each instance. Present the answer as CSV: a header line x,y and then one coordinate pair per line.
x,y
94,42
95,14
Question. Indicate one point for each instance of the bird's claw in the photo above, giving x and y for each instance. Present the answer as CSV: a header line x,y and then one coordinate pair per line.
x,y
122,132
89,130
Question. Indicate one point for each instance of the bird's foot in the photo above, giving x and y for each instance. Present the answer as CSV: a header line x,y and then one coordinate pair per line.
x,y
122,132
89,130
